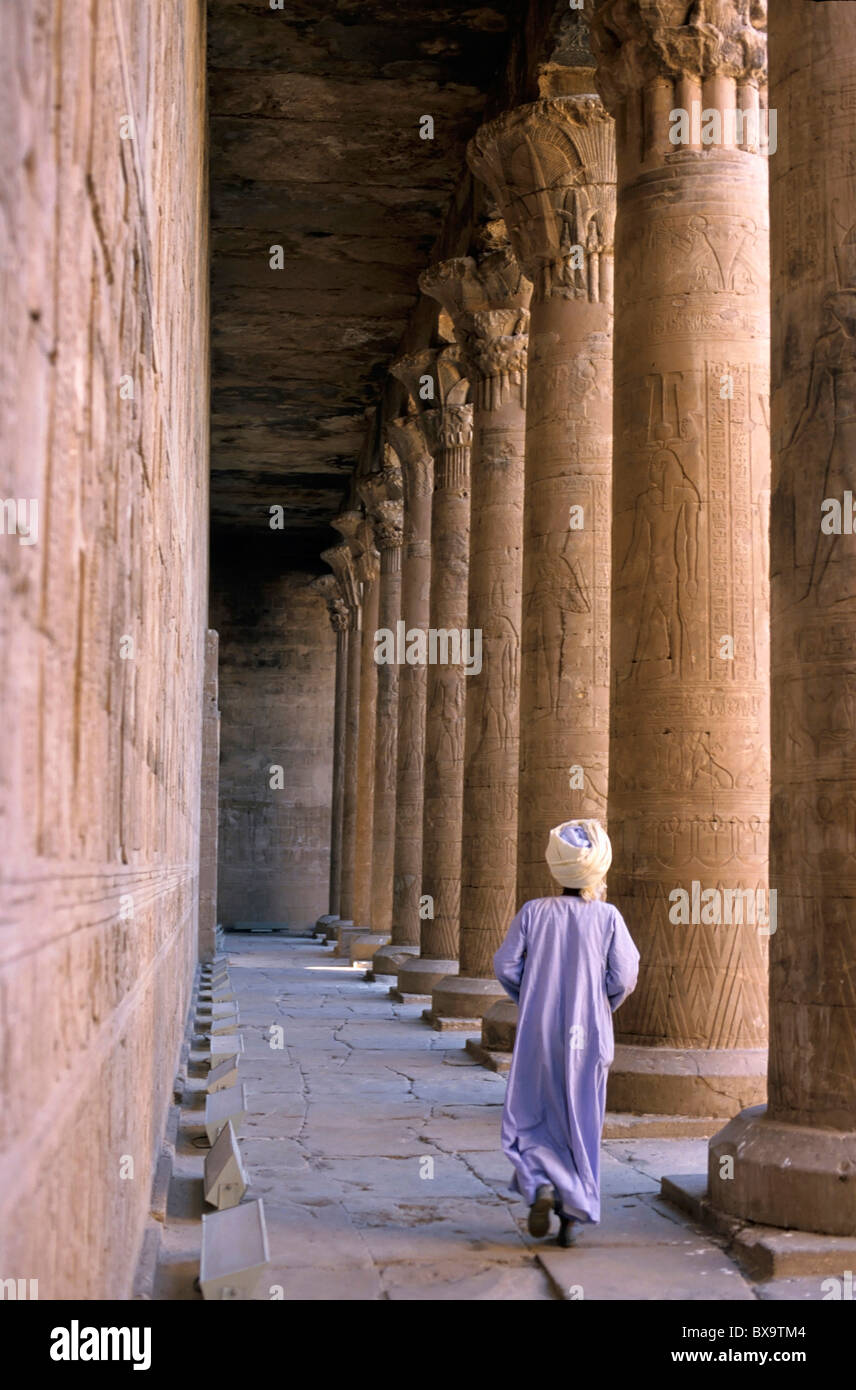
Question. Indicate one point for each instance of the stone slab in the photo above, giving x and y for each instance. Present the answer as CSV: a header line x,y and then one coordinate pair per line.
x,y
466,1281
400,1231
665,1274
399,1178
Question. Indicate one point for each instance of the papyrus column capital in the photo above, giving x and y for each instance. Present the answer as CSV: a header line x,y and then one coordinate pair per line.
x,y
407,437
637,42
488,302
341,561
551,167
446,420
327,585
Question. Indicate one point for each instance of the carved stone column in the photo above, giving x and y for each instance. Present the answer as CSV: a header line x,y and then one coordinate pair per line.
x,y
488,303
382,497
551,168
689,772
368,572
449,429
406,437
328,586
340,560
795,1163
210,801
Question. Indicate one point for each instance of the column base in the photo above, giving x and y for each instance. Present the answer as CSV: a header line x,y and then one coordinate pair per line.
x,y
324,925
786,1175
390,958
363,947
459,1000
499,1029
686,1081
419,976
347,933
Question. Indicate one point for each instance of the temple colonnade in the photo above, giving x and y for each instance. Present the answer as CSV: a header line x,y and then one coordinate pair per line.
x,y
573,518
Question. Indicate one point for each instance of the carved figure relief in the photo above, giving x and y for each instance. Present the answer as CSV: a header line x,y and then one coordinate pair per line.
x,y
665,539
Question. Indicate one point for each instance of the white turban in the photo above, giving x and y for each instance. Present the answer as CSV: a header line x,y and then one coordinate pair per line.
x,y
579,854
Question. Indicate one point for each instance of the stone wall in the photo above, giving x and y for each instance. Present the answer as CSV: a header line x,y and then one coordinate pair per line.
x,y
103,418
277,687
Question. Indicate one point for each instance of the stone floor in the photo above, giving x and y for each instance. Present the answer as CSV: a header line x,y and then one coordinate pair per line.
x,y
375,1144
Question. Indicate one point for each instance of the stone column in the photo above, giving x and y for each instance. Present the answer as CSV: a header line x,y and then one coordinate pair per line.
x,y
449,429
689,772
551,168
210,802
488,303
795,1163
367,569
340,558
382,497
408,441
328,586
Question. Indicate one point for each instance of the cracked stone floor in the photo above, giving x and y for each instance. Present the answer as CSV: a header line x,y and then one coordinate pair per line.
x,y
374,1142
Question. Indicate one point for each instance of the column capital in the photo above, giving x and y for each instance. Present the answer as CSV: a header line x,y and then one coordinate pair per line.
x,y
440,412
348,523
368,561
388,519
385,508
487,299
637,42
449,428
327,585
550,165
407,437
341,562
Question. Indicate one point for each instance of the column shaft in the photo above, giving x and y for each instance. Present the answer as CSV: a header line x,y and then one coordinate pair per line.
x,y
417,473
339,726
344,609
366,751
795,1164
349,796
382,495
446,706
689,777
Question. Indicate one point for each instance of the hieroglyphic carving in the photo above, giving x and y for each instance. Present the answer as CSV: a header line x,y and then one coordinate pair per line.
x,y
688,763
813,839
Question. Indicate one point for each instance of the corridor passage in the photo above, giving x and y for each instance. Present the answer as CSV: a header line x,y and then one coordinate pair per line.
x,y
374,1141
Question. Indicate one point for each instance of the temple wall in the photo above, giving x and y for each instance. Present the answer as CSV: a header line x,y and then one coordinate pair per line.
x,y
277,687
104,422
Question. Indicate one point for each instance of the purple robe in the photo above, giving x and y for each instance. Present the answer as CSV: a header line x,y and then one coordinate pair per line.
x,y
568,963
